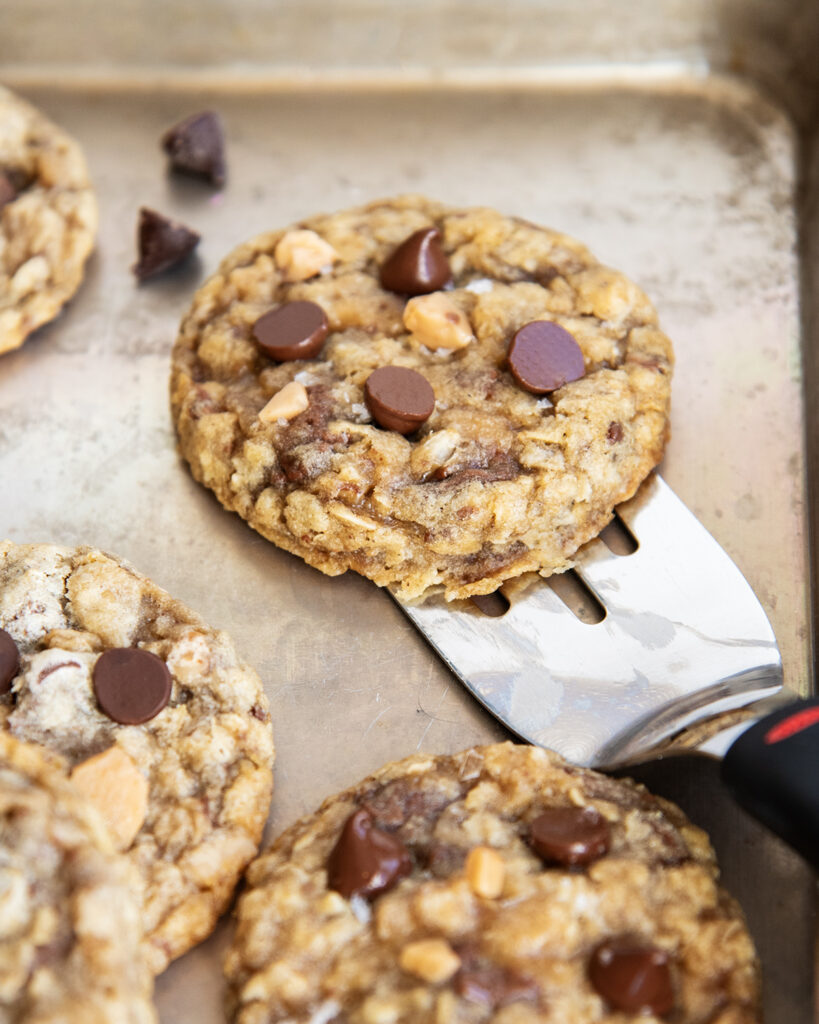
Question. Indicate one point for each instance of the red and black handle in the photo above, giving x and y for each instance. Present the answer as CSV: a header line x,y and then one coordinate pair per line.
x,y
773,772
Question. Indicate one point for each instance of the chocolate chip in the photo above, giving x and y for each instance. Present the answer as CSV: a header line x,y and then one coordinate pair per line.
x,y
294,330
615,432
365,861
9,661
632,977
418,266
543,357
7,190
132,686
570,835
196,146
162,243
399,398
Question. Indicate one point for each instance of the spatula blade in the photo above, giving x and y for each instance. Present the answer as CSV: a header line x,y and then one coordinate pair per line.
x,y
683,637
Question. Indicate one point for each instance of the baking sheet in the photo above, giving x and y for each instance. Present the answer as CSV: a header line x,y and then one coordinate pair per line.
x,y
688,185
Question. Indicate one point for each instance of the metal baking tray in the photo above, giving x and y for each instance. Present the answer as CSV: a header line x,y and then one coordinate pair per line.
x,y
674,138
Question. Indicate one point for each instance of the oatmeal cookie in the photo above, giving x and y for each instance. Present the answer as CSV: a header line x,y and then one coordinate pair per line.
x,y
501,884
438,399
153,715
48,219
69,923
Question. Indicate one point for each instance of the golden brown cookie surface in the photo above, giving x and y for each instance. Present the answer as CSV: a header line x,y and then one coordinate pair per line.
x,y
69,921
497,884
48,219
156,718
507,471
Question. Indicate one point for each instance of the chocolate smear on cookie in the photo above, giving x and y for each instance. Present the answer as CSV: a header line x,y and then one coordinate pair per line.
x,y
9,661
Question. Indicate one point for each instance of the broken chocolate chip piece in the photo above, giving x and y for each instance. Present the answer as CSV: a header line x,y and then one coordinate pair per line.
x,y
9,661
543,357
294,330
418,266
632,977
162,243
570,835
399,398
131,685
366,861
7,190
197,146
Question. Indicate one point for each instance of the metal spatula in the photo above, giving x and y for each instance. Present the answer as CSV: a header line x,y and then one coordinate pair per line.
x,y
681,637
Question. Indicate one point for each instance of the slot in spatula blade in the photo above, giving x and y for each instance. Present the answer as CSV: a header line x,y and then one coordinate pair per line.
x,y
683,637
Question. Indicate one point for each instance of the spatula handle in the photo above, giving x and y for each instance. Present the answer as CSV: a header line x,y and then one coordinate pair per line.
x,y
773,772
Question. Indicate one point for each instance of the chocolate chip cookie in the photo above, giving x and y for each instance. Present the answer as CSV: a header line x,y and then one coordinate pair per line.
x,y
48,219
497,884
69,922
153,715
439,399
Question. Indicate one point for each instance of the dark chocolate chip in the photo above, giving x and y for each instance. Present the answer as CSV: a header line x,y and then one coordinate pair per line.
x,y
570,835
162,243
9,661
615,432
294,330
196,146
632,977
132,686
366,861
399,398
543,357
7,190
418,266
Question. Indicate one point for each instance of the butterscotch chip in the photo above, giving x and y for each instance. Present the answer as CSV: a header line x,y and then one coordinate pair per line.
x,y
440,292
286,404
642,923
432,960
70,926
48,219
435,321
485,872
156,718
303,254
119,791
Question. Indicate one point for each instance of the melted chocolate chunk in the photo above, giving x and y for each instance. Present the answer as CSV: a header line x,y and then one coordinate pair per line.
x,y
543,357
131,685
418,266
7,190
632,977
162,243
9,661
570,835
294,330
488,984
366,861
399,398
196,146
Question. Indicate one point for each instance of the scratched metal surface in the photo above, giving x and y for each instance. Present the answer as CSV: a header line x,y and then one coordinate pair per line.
x,y
686,183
